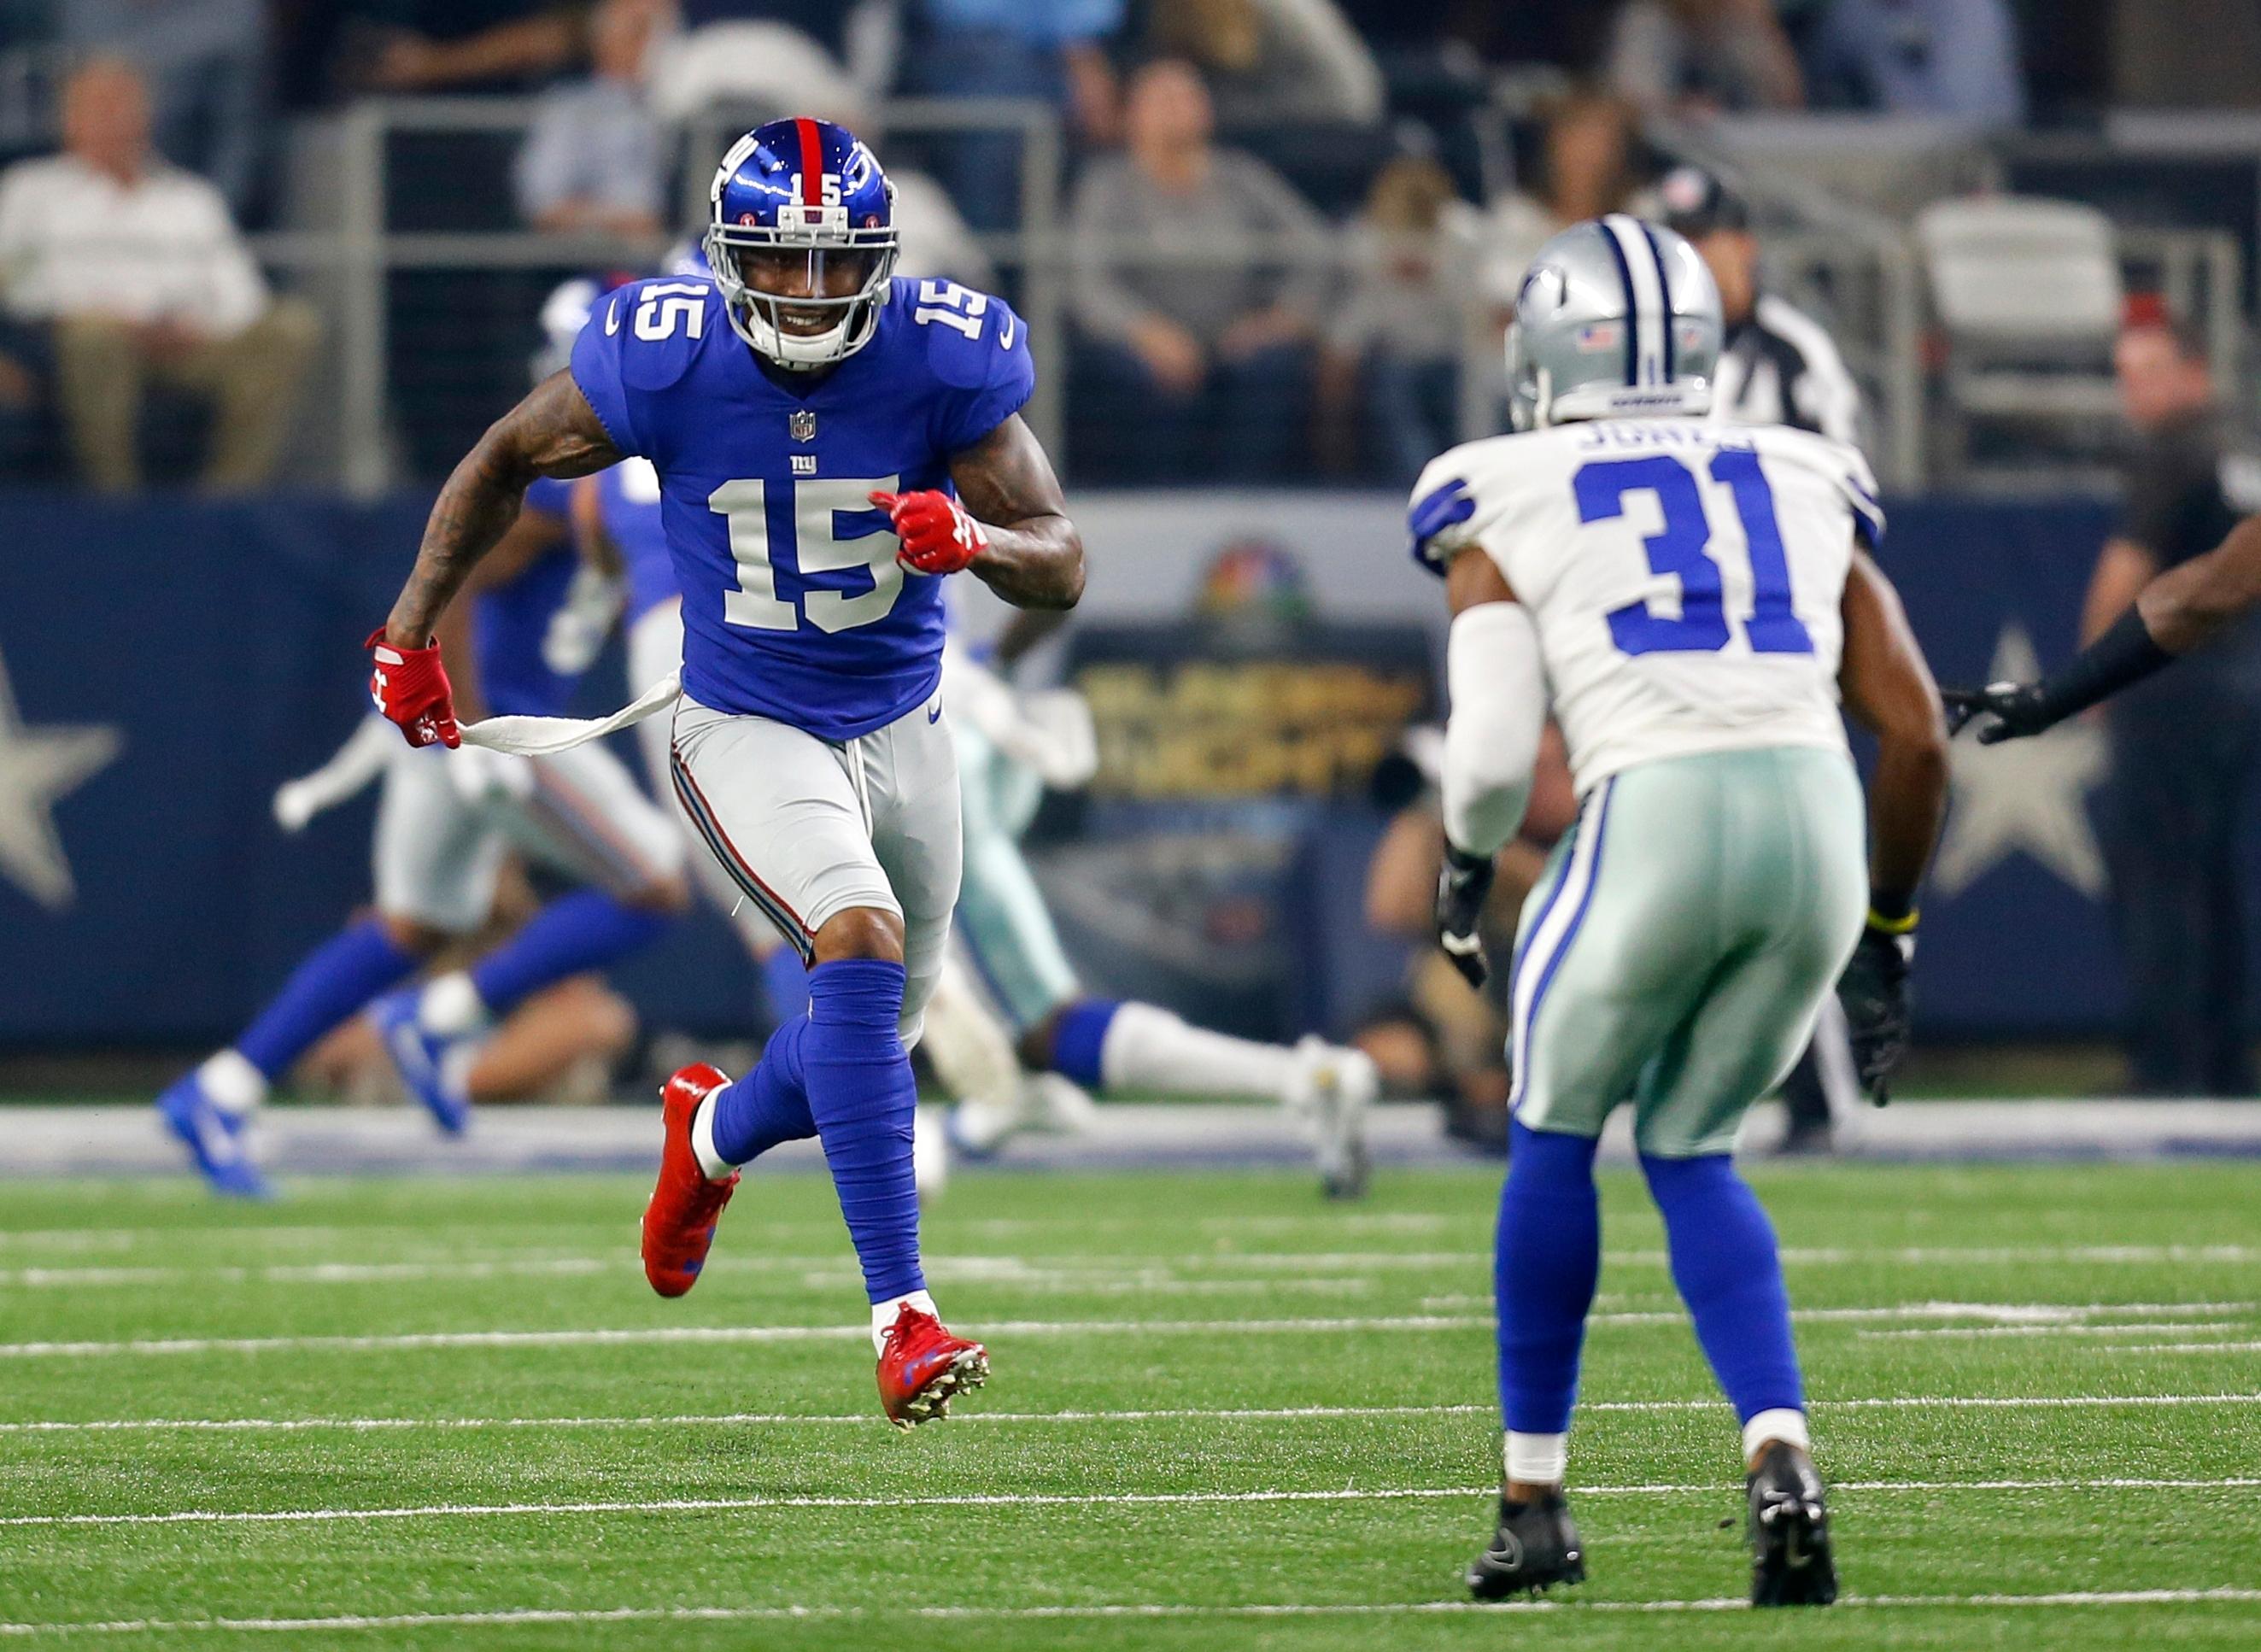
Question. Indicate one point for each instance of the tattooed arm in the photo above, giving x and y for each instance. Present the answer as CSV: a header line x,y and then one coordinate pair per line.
x,y
551,433
1035,556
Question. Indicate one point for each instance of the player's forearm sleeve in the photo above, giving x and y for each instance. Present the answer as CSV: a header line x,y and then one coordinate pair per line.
x,y
2123,655
1498,686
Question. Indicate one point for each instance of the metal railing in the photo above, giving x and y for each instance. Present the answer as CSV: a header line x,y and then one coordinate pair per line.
x,y
356,254
1863,271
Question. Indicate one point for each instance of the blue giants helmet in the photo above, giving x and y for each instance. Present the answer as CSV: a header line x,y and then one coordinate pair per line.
x,y
801,235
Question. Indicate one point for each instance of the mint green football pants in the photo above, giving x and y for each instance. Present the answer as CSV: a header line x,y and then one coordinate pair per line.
x,y
1679,946
1001,914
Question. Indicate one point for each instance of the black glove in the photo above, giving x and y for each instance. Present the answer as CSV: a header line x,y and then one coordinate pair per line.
x,y
1463,885
2018,709
1878,1005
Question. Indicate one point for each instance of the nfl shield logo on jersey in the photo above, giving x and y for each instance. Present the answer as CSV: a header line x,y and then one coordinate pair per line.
x,y
801,424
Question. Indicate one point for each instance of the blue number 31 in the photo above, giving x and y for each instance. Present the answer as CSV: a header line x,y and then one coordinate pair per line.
x,y
1682,549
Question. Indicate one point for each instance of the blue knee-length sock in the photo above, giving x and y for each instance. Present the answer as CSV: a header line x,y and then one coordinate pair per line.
x,y
1728,1272
1548,1260
333,980
586,929
768,1105
1078,1036
862,1100
784,982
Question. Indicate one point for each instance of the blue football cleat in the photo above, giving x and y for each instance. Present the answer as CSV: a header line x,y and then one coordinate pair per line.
x,y
214,1138
422,1060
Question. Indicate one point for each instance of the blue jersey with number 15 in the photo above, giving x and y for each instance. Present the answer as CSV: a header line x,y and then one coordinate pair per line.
x,y
793,605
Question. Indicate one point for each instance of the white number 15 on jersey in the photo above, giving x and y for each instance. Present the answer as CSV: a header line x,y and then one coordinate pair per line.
x,y
818,506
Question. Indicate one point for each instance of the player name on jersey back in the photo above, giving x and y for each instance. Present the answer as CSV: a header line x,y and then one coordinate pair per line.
x,y
793,605
1685,577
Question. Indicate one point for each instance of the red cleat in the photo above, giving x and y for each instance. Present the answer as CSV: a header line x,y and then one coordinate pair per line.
x,y
922,1367
679,1223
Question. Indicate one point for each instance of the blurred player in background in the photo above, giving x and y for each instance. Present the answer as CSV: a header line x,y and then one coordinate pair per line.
x,y
813,422
1777,366
1009,747
1691,597
446,823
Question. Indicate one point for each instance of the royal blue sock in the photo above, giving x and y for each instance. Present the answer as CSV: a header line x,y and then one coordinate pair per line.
x,y
1549,1258
863,1098
1078,1037
768,1104
1728,1272
785,982
584,930
336,979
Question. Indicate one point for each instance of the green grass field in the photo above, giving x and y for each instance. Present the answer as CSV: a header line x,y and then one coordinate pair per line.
x,y
450,1414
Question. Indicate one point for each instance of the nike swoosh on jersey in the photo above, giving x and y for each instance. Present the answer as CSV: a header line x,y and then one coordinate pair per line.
x,y
1005,333
613,319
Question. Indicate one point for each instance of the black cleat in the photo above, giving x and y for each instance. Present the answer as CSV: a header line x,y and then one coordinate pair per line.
x,y
1535,1547
1789,1532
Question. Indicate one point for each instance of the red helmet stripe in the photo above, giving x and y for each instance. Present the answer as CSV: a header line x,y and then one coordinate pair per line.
x,y
812,162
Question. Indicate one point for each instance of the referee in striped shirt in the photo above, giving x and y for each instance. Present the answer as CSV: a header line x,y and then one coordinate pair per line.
x,y
1777,364
1776,367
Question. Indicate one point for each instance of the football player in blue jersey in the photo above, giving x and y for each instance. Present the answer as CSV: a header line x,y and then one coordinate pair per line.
x,y
829,443
445,823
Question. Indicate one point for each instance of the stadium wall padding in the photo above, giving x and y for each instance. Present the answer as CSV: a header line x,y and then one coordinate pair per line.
x,y
222,643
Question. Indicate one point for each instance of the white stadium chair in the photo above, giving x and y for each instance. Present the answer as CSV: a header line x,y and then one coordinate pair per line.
x,y
2027,293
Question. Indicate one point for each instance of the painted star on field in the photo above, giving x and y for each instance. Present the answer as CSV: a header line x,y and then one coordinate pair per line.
x,y
37,767
2024,797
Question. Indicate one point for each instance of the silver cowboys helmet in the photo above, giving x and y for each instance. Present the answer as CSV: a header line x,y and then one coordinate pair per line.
x,y
1616,318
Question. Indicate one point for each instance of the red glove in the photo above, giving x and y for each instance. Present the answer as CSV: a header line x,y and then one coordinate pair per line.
x,y
410,686
938,536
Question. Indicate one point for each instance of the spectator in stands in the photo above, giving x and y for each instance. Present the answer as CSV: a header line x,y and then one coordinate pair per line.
x,y
137,272
1050,50
1272,62
1955,58
430,45
2185,744
1778,366
206,62
1390,367
1206,351
594,158
1704,54
1587,170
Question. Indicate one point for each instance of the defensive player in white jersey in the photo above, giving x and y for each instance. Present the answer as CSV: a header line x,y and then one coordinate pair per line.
x,y
1691,599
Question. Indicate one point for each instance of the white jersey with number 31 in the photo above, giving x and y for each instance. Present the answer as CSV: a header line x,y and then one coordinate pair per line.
x,y
1685,576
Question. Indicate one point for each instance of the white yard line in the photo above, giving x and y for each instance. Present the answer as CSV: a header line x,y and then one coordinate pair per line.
x,y
860,1419
967,1268
2180,1347
1131,1609
2020,1313
1039,1499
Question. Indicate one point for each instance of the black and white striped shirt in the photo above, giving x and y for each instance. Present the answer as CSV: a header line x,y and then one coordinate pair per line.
x,y
1780,367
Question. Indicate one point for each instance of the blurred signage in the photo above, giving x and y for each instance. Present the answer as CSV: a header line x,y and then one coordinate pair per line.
x,y
1175,724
